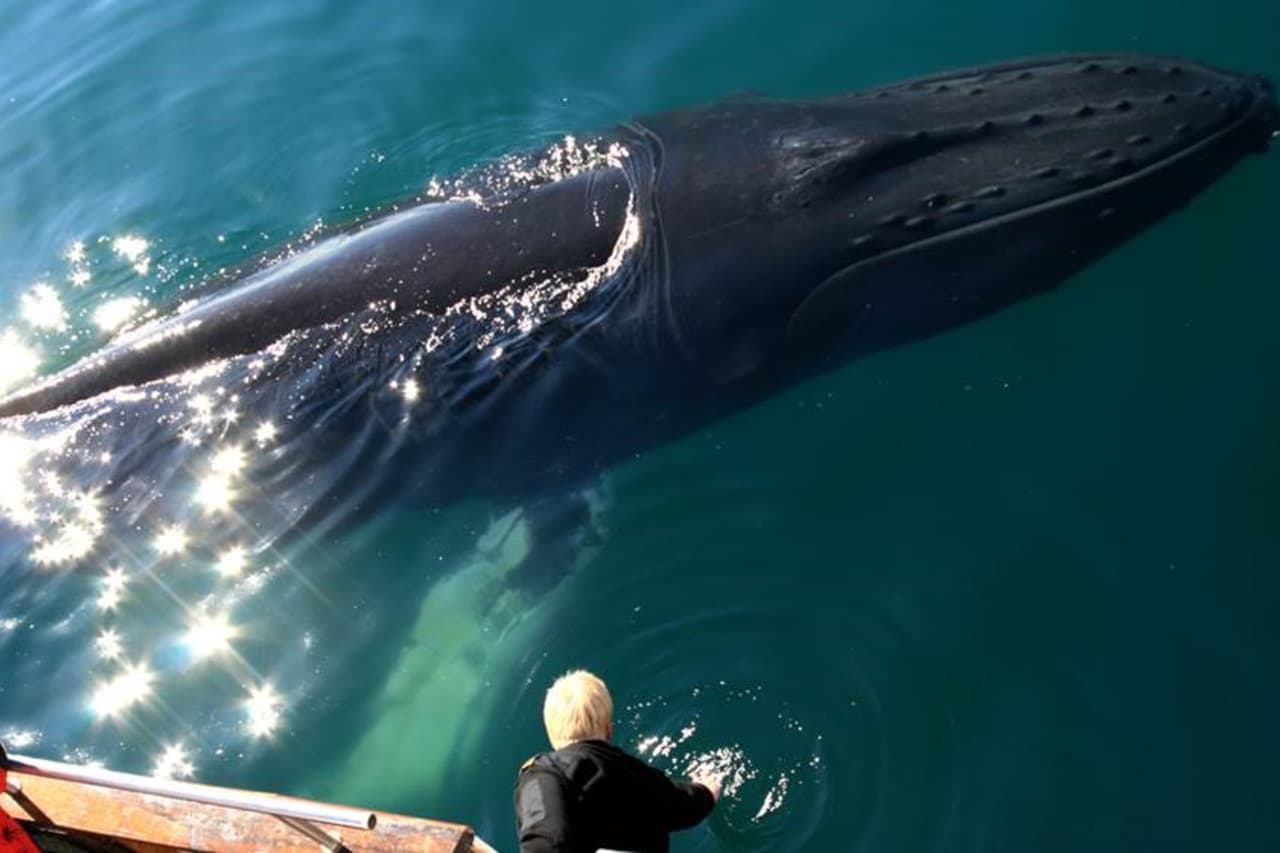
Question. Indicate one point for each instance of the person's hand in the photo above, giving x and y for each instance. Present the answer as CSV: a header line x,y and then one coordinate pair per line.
x,y
711,783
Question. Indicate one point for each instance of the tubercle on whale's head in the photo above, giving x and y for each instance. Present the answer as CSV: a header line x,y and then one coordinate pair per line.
x,y
1268,104
896,212
1027,125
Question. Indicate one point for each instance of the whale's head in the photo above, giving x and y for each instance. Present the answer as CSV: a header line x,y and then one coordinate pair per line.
x,y
851,223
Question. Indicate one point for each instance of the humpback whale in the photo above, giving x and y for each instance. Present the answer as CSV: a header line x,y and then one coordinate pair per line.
x,y
699,261
495,347
876,217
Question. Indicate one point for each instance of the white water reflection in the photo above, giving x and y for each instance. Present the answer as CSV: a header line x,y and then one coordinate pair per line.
x,y
757,786
171,541
232,562
77,258
108,644
173,763
113,585
263,709
112,314
19,360
265,434
210,634
131,685
41,307
133,249
73,529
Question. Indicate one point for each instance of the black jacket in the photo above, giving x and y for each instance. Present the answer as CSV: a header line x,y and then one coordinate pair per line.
x,y
590,794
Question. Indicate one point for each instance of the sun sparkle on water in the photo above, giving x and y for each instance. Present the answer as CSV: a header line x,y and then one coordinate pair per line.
x,y
20,738
15,455
78,259
171,541
216,490
203,405
134,250
51,482
113,584
229,460
18,360
129,687
108,645
232,562
215,493
173,763
209,634
265,433
75,537
262,709
114,313
42,308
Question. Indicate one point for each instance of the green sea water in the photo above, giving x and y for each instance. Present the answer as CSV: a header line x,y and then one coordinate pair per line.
x,y
1013,588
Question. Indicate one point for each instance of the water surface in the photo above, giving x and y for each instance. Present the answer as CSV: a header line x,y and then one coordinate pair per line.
x,y
1011,588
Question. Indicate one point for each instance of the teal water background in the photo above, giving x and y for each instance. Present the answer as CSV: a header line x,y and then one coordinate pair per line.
x,y
1011,588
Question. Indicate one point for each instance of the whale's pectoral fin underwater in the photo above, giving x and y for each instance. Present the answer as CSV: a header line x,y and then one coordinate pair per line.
x,y
564,532
560,532
437,691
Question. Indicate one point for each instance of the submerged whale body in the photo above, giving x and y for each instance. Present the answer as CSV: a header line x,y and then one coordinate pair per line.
x,y
718,254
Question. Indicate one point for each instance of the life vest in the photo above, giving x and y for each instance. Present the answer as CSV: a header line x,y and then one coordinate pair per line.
x,y
13,838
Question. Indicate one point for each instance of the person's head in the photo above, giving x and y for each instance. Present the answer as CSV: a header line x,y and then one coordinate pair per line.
x,y
578,707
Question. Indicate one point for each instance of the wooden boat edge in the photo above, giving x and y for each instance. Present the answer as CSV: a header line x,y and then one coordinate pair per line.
x,y
149,823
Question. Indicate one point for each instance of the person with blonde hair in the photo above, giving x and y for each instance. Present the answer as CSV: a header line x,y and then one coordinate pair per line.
x,y
588,794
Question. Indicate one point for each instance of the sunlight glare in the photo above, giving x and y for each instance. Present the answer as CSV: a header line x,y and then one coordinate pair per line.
x,y
173,763
215,493
171,541
263,710
75,537
42,308
129,687
18,361
134,250
203,405
113,585
78,259
20,738
15,498
233,561
229,461
209,634
265,433
108,645
114,313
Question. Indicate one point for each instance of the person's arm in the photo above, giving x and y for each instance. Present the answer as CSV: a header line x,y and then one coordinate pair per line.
x,y
688,803
542,821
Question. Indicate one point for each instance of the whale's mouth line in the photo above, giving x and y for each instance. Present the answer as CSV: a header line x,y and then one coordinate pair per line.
x,y
1070,198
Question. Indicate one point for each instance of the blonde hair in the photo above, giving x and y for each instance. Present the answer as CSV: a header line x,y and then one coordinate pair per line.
x,y
578,707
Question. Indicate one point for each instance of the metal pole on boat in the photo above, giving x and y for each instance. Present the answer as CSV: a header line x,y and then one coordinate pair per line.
x,y
253,801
